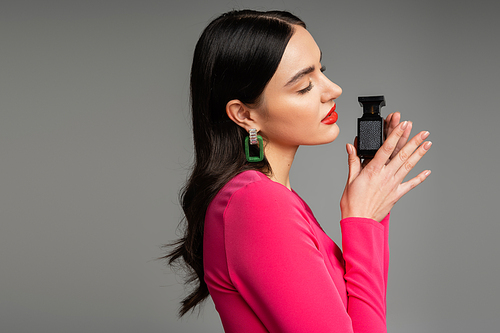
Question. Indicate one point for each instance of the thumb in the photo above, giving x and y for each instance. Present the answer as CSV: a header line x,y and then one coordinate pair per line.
x,y
354,163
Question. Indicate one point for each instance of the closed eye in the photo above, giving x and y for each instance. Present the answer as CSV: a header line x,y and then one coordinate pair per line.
x,y
306,89
310,86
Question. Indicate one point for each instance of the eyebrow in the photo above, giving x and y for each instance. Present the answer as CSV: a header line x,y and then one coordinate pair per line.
x,y
303,72
299,75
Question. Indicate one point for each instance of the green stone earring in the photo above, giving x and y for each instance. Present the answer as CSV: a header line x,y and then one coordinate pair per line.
x,y
254,139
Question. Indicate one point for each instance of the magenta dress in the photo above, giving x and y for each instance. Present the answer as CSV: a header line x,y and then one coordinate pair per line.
x,y
270,267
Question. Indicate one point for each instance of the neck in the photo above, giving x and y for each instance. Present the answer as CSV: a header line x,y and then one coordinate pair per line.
x,y
280,160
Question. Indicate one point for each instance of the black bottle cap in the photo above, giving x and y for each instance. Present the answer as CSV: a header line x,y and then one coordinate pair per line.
x,y
371,104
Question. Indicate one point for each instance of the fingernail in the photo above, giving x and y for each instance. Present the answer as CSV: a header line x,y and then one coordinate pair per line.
x,y
427,173
427,145
425,135
349,149
404,125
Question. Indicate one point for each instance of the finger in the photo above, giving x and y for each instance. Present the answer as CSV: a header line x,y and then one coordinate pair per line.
x,y
410,163
385,152
387,121
406,135
396,118
403,140
414,182
392,123
404,154
354,163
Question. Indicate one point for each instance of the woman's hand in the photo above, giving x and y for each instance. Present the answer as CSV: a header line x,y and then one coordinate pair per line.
x,y
371,191
390,123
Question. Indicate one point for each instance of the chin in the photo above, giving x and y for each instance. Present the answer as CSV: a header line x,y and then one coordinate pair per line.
x,y
325,139
334,133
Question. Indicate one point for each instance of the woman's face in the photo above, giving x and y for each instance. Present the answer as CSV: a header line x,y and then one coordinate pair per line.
x,y
298,101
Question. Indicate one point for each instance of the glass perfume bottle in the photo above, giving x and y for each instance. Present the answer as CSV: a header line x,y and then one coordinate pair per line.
x,y
370,126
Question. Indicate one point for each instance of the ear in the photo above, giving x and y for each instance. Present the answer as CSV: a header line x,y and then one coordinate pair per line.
x,y
241,114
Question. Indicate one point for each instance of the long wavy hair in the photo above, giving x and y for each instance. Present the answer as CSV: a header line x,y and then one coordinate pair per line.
x,y
235,57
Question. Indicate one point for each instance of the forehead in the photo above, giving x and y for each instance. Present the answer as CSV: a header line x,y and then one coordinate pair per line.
x,y
301,52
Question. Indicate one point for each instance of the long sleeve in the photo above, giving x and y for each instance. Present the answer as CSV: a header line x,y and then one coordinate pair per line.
x,y
366,255
271,268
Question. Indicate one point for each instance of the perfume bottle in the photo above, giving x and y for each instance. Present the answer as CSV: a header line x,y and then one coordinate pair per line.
x,y
370,126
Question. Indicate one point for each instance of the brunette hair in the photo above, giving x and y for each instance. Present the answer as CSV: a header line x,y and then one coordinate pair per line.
x,y
235,57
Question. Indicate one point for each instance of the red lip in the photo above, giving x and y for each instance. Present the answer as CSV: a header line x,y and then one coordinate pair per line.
x,y
331,117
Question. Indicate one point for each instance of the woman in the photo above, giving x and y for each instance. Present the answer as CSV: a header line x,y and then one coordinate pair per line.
x,y
258,92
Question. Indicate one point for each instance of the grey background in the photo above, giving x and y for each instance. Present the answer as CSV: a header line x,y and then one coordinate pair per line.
x,y
95,143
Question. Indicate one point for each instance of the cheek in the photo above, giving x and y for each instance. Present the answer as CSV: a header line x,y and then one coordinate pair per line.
x,y
287,115
290,116
303,107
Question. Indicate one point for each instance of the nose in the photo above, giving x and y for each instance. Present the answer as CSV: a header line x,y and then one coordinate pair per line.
x,y
330,91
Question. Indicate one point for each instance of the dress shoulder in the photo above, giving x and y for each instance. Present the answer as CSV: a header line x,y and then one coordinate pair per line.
x,y
252,187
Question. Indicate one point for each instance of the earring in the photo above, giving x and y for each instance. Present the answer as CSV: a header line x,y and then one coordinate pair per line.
x,y
254,139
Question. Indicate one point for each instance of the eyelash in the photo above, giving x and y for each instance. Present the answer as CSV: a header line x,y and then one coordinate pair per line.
x,y
310,86
306,89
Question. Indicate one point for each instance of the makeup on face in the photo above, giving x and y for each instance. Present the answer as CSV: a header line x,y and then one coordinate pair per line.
x,y
331,117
